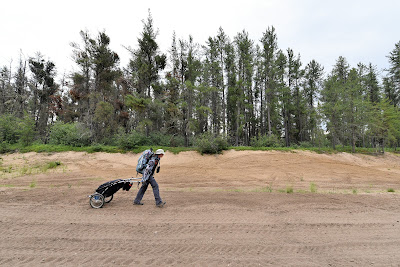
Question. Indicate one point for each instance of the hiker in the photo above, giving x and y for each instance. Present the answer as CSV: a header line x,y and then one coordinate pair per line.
x,y
149,179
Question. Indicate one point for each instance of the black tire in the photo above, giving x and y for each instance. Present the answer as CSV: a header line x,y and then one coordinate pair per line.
x,y
108,199
96,201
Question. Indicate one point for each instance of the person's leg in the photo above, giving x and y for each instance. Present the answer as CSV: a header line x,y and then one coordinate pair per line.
x,y
141,192
156,191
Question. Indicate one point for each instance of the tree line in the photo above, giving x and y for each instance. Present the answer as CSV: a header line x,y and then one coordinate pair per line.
x,y
246,92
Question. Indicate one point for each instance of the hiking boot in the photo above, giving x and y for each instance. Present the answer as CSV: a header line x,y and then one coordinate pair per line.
x,y
137,203
161,204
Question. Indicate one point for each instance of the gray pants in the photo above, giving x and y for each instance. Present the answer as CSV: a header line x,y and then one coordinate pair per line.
x,y
143,189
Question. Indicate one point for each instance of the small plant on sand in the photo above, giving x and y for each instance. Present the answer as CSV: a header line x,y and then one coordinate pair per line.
x,y
32,184
313,188
391,190
355,191
267,189
6,185
53,164
289,189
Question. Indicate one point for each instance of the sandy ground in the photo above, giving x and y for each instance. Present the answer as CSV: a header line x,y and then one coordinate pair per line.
x,y
225,210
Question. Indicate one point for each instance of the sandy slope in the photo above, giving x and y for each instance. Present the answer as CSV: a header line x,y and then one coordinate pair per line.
x,y
219,211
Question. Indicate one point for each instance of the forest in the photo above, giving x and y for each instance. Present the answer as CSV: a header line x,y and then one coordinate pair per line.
x,y
228,92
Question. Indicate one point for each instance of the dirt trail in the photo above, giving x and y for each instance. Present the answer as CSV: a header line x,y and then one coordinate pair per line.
x,y
219,212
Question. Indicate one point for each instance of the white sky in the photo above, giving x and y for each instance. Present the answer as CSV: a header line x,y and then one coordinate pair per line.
x,y
362,31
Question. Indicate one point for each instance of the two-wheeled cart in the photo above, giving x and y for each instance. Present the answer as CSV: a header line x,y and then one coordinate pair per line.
x,y
105,192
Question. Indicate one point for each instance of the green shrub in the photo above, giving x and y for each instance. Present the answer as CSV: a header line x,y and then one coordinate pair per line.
x,y
8,130
207,143
265,141
131,140
176,141
306,144
157,138
4,148
27,130
70,134
313,188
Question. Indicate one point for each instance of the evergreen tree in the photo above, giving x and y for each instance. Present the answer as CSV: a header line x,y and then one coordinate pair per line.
x,y
392,83
332,98
312,87
80,90
295,76
43,87
144,68
285,96
6,92
20,89
269,104
233,95
245,67
372,85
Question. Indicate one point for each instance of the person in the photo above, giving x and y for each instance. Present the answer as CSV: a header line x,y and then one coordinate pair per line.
x,y
148,178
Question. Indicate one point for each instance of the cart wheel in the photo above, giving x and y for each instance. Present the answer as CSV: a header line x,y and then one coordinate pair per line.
x,y
108,199
96,200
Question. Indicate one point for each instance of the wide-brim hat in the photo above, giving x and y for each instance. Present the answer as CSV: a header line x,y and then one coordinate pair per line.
x,y
160,151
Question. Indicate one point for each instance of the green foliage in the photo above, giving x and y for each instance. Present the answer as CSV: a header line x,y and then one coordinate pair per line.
x,y
70,134
266,141
4,148
53,164
13,130
32,184
8,131
131,140
313,188
27,130
391,190
207,143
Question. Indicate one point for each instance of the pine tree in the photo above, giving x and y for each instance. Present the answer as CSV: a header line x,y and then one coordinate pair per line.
x,y
312,87
144,68
332,98
392,82
43,87
7,95
233,95
295,76
245,65
269,116
285,96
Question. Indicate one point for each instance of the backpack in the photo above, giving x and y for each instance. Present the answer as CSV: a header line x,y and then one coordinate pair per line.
x,y
143,160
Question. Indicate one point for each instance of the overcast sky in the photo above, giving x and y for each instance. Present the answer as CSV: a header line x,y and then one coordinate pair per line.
x,y
361,31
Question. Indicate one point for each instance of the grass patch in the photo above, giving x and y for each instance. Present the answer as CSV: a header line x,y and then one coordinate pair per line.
x,y
7,185
289,190
266,189
32,184
52,165
39,148
320,150
6,169
391,190
313,188
355,191
237,190
301,191
48,148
